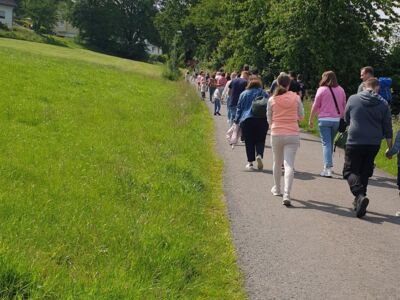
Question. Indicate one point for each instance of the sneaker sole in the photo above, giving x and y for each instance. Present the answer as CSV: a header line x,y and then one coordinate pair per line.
x,y
286,202
260,165
362,207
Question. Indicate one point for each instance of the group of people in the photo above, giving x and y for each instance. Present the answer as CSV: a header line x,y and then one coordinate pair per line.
x,y
366,114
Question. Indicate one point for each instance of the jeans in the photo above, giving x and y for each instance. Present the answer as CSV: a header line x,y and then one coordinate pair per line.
x,y
217,105
284,148
328,130
359,166
232,114
255,131
212,90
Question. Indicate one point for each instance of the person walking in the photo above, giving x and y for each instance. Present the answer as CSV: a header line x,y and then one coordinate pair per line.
x,y
284,111
329,104
212,85
365,74
370,121
237,86
254,128
226,96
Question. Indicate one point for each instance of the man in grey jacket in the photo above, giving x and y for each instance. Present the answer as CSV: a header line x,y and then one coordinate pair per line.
x,y
370,121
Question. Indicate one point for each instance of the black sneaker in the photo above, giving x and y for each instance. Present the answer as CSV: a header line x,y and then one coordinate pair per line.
x,y
362,205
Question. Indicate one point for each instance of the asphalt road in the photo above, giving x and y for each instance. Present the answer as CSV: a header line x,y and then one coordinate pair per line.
x,y
317,249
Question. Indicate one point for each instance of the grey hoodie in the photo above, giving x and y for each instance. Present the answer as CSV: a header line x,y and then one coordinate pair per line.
x,y
369,118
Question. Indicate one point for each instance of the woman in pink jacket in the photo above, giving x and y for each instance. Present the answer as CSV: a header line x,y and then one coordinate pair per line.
x,y
329,114
283,112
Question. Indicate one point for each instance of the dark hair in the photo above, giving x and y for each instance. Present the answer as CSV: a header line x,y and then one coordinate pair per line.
x,y
371,83
292,74
329,79
283,81
254,83
246,67
369,70
299,77
213,75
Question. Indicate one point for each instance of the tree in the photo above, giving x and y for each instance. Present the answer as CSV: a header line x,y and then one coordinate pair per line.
x,y
120,26
43,13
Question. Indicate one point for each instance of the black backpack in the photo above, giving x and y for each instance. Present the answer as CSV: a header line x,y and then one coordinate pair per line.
x,y
259,107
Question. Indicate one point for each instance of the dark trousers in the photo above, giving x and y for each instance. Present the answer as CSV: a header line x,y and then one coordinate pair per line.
x,y
359,166
255,131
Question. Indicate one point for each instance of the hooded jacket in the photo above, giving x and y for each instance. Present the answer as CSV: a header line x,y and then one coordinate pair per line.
x,y
369,118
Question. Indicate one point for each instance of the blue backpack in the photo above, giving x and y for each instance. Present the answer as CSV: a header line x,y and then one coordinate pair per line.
x,y
385,84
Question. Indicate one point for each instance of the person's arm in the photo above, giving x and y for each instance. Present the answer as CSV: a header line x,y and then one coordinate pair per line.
x,y
269,111
315,108
347,112
300,109
239,109
387,127
395,148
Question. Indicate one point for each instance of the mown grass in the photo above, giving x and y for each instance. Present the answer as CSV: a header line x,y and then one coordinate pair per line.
x,y
109,186
381,161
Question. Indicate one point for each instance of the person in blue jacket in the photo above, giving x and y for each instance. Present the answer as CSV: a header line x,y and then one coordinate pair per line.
x,y
254,128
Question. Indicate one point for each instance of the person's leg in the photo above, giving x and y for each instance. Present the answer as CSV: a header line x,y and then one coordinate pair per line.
x,y
367,168
247,130
233,113
325,132
291,145
261,134
277,157
353,160
218,105
215,106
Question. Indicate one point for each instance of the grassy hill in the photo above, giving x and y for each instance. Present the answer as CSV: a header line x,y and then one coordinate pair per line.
x,y
109,185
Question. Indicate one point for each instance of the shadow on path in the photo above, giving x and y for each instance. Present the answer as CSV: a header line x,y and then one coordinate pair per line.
x,y
371,217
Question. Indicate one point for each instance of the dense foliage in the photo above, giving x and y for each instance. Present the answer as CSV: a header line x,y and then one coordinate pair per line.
x,y
306,36
120,26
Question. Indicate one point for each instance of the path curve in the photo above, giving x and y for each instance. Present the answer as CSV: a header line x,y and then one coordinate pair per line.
x,y
317,249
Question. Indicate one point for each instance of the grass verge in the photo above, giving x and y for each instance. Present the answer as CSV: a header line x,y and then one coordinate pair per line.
x,y
109,187
381,161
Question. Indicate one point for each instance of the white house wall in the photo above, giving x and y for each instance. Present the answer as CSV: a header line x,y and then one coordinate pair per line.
x,y
8,15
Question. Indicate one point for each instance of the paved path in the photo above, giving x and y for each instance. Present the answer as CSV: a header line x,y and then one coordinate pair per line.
x,y
317,249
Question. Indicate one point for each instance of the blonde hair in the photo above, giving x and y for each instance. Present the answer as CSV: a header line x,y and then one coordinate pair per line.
x,y
283,81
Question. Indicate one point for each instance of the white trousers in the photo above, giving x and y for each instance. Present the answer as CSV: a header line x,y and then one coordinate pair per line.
x,y
284,148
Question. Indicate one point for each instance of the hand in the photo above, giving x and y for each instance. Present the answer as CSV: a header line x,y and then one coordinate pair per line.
x,y
310,124
388,156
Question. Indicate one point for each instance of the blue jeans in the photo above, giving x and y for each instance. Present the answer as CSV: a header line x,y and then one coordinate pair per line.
x,y
217,105
231,114
328,130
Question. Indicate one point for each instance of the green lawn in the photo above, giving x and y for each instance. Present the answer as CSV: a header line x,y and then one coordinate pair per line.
x,y
381,161
109,187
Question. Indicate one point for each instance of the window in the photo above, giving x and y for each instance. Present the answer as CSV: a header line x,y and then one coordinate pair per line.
x,y
2,14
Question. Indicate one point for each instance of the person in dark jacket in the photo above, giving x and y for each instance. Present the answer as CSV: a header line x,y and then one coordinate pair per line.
x,y
370,121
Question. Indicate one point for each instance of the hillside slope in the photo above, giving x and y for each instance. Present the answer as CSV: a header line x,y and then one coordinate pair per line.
x,y
109,186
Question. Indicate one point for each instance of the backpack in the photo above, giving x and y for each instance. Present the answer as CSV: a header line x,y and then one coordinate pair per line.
x,y
259,107
385,91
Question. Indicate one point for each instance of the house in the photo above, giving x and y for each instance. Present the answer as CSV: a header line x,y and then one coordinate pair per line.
x,y
6,12
65,29
151,49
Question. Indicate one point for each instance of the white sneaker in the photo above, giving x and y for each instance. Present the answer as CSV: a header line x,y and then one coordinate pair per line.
x,y
286,200
260,165
275,191
249,166
398,214
326,172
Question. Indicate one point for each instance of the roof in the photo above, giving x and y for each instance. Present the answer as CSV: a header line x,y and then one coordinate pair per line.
x,y
8,3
